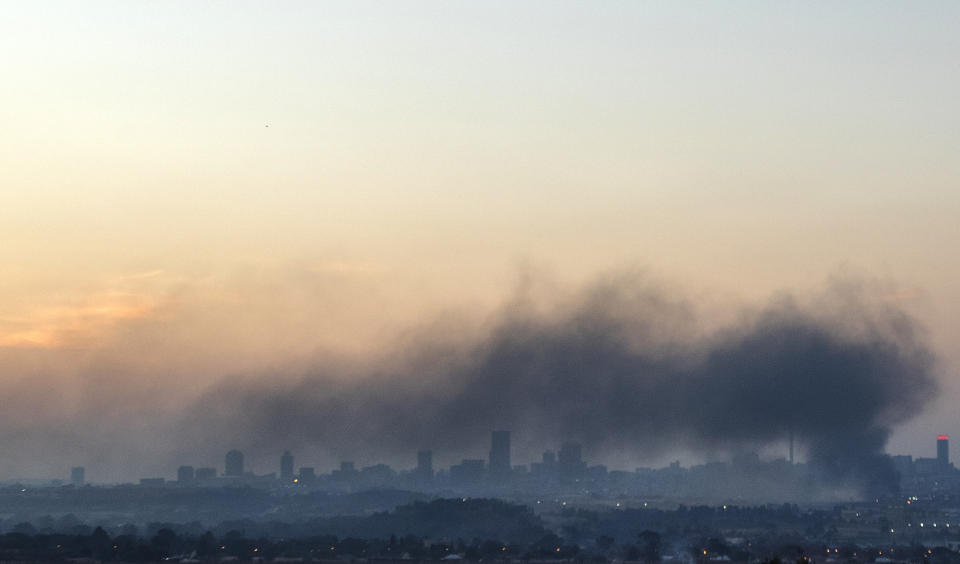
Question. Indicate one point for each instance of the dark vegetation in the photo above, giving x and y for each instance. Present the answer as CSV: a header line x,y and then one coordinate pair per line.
x,y
487,529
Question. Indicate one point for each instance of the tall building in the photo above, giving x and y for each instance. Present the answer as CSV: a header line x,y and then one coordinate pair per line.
x,y
185,474
234,463
286,466
77,475
500,453
943,451
424,471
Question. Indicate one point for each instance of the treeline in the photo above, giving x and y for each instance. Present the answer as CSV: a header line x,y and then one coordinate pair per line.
x,y
167,544
442,518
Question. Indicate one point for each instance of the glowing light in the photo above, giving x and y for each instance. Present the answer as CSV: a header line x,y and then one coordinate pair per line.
x,y
943,437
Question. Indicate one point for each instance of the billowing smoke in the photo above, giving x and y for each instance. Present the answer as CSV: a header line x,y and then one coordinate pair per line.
x,y
620,366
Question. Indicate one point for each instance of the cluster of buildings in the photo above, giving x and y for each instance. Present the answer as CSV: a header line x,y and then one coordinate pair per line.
x,y
566,464
497,469
564,470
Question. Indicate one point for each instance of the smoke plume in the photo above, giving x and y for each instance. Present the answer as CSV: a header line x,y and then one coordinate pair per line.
x,y
619,366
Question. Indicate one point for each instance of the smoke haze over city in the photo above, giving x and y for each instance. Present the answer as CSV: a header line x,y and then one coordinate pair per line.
x,y
626,365
674,231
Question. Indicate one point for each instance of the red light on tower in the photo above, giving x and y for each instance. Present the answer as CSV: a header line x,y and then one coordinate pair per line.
x,y
943,453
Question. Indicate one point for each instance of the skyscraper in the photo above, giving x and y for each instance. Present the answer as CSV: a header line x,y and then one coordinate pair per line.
x,y
234,463
286,466
943,452
500,453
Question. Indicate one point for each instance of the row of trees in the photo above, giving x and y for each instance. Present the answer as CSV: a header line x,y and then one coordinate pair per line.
x,y
167,544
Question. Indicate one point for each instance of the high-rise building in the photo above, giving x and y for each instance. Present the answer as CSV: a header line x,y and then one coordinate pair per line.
x,y
234,463
424,470
185,474
943,451
286,466
77,475
500,453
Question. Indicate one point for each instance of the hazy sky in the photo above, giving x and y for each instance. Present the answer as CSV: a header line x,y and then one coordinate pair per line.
x,y
192,191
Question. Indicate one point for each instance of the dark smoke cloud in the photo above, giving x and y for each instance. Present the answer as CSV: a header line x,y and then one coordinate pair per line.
x,y
620,366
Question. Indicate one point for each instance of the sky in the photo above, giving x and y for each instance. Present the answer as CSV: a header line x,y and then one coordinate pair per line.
x,y
200,193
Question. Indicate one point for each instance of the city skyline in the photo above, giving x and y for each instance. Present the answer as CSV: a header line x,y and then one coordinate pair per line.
x,y
421,469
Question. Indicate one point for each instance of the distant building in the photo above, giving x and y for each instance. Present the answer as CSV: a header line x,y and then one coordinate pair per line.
x,y
77,475
500,454
943,452
927,466
469,471
424,472
346,473
186,474
570,461
307,475
205,474
377,475
151,482
903,463
286,466
547,467
234,463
